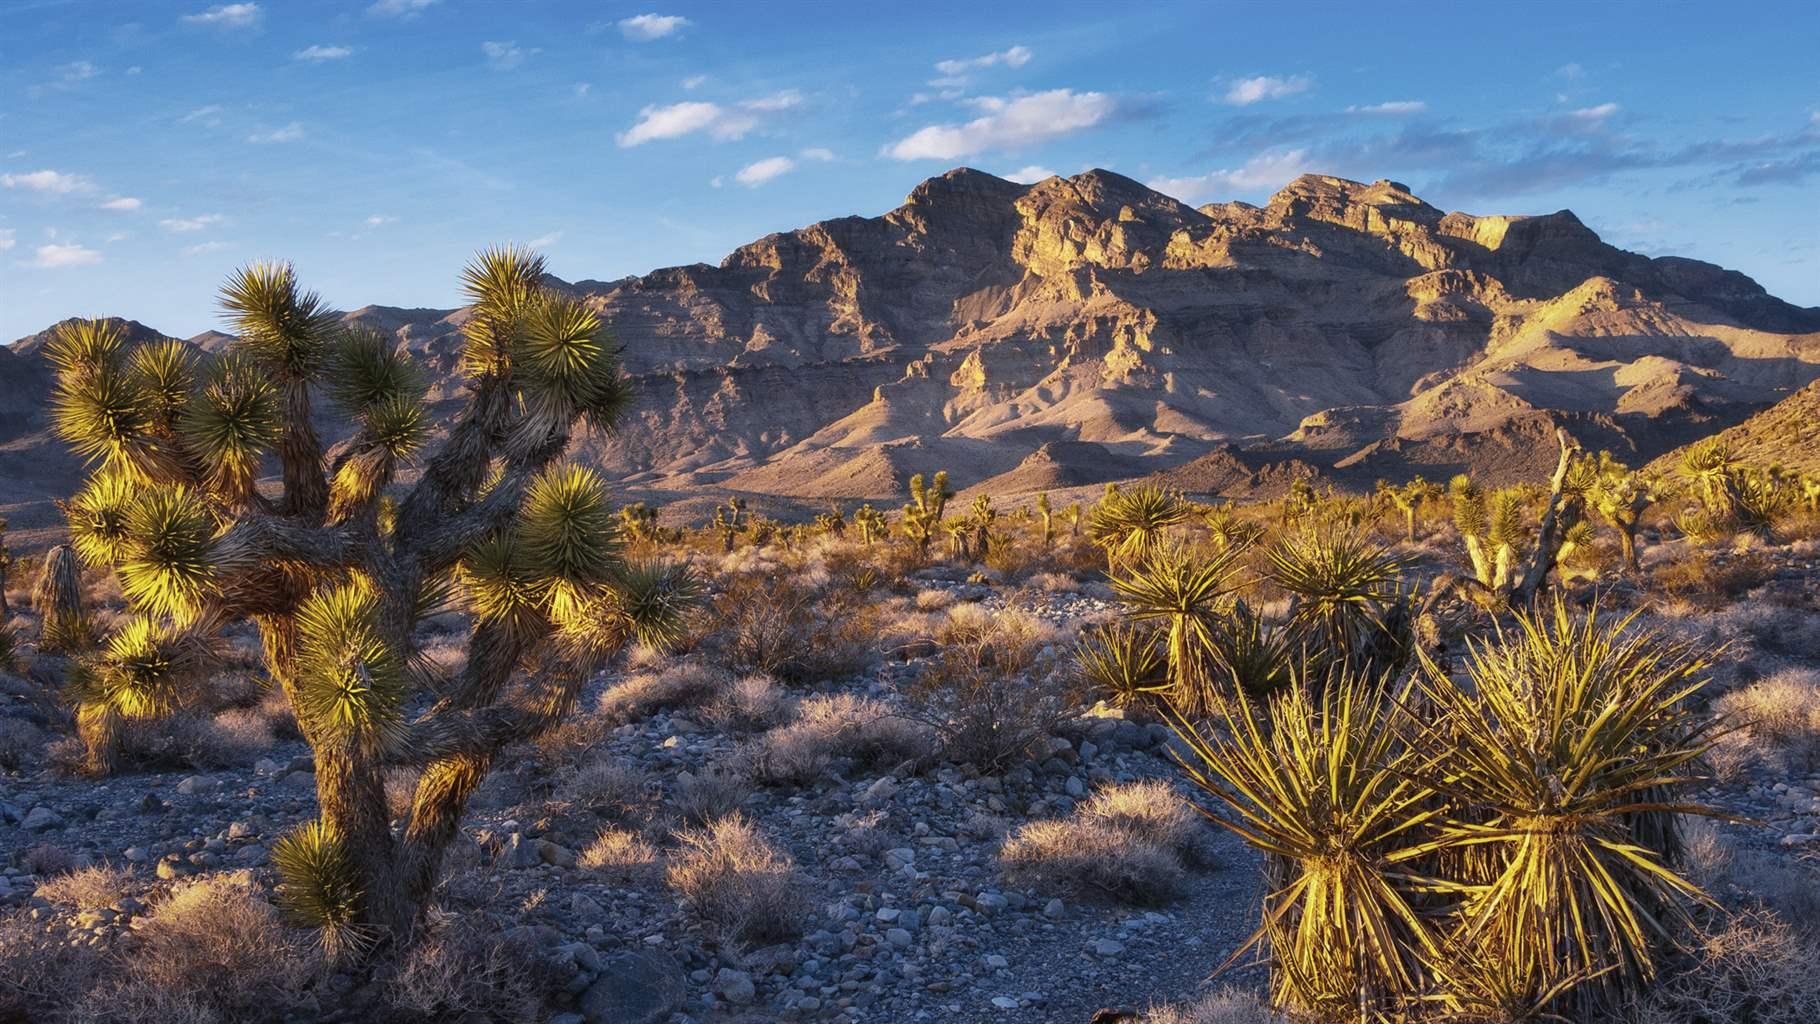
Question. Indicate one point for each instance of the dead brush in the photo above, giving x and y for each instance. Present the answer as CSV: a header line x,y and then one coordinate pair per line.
x,y
987,695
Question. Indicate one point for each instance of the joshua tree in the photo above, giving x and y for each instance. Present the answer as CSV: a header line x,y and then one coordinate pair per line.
x,y
871,524
334,587
638,520
833,522
726,520
923,516
980,519
1619,496
1408,499
1496,534
1047,515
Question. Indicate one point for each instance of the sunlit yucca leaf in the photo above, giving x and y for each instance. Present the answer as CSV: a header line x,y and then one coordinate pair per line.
x,y
281,327
99,406
1251,657
166,373
143,669
357,480
1323,785
351,683
98,517
397,425
1469,512
657,598
501,283
1132,522
168,568
83,347
1343,584
319,886
569,533
233,419
1185,592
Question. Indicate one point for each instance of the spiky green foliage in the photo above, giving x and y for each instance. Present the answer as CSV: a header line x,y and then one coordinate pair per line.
x,y
165,372
1325,787
871,523
1253,657
1345,588
167,562
922,517
319,885
1123,660
502,585
657,599
1131,523
99,407
351,681
502,283
1185,592
1408,498
284,329
567,366
1619,497
63,623
145,669
365,368
570,535
231,421
1573,746
97,518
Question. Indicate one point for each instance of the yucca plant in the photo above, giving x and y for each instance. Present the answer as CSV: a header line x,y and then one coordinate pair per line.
x,y
1346,593
1184,592
1123,660
1509,561
1619,496
335,564
922,518
1324,784
1131,523
1569,755
63,624
1251,657
1408,498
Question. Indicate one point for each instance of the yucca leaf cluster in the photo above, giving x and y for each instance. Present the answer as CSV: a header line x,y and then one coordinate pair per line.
x,y
213,500
1497,843
928,504
1131,523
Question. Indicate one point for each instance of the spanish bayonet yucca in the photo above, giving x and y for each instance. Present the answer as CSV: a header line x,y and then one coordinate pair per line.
x,y
335,564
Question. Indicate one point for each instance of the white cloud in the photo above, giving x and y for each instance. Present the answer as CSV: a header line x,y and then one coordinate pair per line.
x,y
289,133
1247,91
691,116
122,203
1391,107
544,241
1571,72
1023,121
322,53
77,71
645,28
211,115
182,225
6,239
399,8
203,248
821,153
1015,57
54,256
694,82
227,16
53,182
1030,175
1264,171
135,69
505,56
581,89
1598,113
378,219
755,174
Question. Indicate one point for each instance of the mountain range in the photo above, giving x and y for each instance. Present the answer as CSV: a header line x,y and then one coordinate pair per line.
x,y
1085,329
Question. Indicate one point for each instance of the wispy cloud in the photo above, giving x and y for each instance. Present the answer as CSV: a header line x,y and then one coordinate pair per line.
x,y
755,174
1264,171
645,28
544,241
818,153
1392,107
1007,123
399,8
379,218
322,53
51,182
720,122
1015,57
204,248
694,82
209,115
1598,113
1247,91
183,225
504,56
289,133
1570,72
6,239
125,204
1030,175
55,256
227,16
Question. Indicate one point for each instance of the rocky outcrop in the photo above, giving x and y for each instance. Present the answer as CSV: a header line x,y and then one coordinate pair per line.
x,y
1348,327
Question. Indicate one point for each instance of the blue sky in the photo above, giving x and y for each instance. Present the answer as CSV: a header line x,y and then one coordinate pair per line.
x,y
148,148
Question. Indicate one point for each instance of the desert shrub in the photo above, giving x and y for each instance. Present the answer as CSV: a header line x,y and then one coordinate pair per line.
x,y
618,851
1781,716
685,685
987,694
1710,581
752,704
41,971
44,860
1563,898
733,877
828,730
1133,842
605,786
791,630
461,972
21,744
217,939
90,888
1750,968
1123,661
1228,1006
708,796
934,599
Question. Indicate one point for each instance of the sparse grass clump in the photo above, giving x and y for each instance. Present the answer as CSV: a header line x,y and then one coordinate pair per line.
x,y
1749,968
1228,1006
830,730
90,888
735,878
987,694
1133,842
641,695
606,787
701,798
618,851
1781,717
462,973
